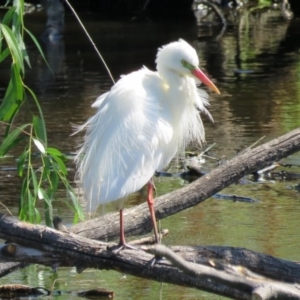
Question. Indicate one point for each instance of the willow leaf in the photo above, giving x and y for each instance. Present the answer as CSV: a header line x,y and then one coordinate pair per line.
x,y
11,138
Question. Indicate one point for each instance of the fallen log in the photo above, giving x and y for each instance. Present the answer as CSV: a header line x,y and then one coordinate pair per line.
x,y
232,272
237,277
15,291
137,219
20,291
8,267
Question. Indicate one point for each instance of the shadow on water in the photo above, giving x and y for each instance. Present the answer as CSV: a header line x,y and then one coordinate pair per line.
x,y
256,65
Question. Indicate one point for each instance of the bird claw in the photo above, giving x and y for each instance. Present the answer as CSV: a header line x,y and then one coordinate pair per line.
x,y
154,260
122,247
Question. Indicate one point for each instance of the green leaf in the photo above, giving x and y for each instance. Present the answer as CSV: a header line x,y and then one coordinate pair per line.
x,y
37,216
46,197
23,50
30,206
42,133
10,121
22,199
34,182
40,193
53,181
61,164
48,207
10,140
39,129
40,146
19,5
4,54
54,151
17,21
21,162
47,167
8,16
8,106
38,47
17,83
26,57
13,46
79,213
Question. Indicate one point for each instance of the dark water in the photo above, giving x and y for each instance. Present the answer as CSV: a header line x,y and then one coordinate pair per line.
x,y
256,66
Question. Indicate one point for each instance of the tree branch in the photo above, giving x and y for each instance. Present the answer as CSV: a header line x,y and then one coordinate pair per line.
x,y
137,219
222,270
65,248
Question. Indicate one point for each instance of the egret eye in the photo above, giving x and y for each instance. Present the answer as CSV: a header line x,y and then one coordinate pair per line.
x,y
184,63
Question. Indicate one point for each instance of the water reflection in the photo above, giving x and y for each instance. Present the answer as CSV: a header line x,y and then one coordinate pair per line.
x,y
256,66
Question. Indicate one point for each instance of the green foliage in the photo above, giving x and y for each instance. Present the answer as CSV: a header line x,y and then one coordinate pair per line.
x,y
40,180
261,4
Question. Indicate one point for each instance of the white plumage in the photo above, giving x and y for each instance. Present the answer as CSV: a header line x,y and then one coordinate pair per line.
x,y
140,124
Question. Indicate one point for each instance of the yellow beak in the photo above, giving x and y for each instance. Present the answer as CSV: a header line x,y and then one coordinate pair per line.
x,y
203,78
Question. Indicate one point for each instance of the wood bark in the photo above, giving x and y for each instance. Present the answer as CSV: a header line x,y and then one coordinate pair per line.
x,y
77,249
8,267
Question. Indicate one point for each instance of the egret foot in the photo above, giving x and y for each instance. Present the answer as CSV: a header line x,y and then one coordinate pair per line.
x,y
154,260
124,246
152,250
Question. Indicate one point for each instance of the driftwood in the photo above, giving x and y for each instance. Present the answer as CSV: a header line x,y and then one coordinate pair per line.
x,y
8,267
233,272
12,291
19,291
137,219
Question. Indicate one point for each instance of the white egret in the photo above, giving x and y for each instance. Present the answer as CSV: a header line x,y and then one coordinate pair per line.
x,y
140,124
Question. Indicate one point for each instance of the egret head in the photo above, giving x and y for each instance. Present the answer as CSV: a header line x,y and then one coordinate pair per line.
x,y
181,58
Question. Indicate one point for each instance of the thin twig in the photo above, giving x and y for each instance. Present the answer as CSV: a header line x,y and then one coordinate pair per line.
x,y
6,208
254,144
91,40
206,149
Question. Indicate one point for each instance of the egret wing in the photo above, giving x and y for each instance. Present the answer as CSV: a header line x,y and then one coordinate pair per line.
x,y
124,139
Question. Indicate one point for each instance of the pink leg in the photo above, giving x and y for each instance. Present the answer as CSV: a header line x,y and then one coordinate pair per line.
x,y
150,201
122,243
